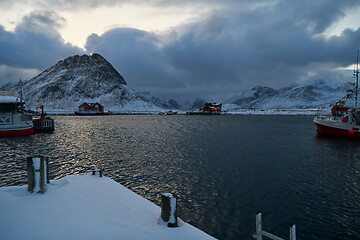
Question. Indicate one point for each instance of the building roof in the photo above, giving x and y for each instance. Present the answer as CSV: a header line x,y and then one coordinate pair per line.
x,y
9,97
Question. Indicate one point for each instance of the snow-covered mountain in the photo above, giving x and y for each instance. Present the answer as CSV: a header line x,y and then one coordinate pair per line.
x,y
315,94
162,103
79,79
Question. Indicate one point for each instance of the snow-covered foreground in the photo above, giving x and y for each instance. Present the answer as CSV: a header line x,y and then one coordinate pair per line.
x,y
84,207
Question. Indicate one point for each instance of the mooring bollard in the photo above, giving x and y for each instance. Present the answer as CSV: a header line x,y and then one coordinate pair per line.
x,y
169,209
292,232
97,172
38,173
258,226
260,232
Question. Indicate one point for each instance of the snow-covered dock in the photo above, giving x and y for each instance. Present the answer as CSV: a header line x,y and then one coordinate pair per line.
x,y
84,207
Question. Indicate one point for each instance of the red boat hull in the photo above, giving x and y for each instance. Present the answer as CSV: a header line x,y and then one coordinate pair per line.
x,y
21,132
331,131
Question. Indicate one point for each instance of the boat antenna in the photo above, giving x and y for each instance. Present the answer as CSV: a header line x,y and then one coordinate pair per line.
x,y
356,74
21,97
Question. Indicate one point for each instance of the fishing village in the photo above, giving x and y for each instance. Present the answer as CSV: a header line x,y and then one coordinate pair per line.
x,y
147,120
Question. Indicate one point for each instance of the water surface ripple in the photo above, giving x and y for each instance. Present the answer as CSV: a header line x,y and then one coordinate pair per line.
x,y
224,168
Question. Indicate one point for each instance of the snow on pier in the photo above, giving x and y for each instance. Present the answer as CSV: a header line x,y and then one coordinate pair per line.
x,y
84,207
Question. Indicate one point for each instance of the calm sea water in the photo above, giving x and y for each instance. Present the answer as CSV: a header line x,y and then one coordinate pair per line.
x,y
224,168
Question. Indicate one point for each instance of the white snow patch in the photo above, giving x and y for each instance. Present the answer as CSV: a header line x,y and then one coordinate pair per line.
x,y
172,210
84,207
36,165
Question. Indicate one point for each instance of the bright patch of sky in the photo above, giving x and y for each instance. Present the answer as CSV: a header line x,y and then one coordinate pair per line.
x,y
80,23
350,20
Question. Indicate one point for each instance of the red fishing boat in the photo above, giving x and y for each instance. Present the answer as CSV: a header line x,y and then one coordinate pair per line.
x,y
13,122
345,119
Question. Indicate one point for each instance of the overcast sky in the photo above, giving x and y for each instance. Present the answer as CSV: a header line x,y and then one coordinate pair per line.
x,y
185,49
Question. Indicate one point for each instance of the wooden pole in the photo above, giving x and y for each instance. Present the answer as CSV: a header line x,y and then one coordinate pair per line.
x,y
169,209
38,173
30,174
47,170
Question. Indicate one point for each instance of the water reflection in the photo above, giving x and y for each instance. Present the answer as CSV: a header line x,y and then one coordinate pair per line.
x,y
224,168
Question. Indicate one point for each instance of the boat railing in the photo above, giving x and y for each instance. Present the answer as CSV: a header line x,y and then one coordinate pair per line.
x,y
329,118
260,232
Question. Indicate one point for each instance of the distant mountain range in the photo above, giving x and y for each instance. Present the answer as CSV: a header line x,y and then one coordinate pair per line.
x,y
79,79
315,94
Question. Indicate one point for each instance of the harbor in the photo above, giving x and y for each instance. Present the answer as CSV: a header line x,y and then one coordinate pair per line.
x,y
291,179
179,120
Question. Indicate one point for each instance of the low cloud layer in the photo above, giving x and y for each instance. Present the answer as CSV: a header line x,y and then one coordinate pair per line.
x,y
240,45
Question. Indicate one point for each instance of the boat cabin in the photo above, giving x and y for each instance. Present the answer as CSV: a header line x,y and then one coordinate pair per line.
x,y
9,102
352,117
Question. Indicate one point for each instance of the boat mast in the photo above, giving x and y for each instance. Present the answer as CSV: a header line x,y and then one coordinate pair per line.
x,y
21,98
356,74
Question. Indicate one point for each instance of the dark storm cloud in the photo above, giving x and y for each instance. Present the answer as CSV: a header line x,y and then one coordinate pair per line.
x,y
136,55
316,15
232,49
237,46
35,43
271,49
34,46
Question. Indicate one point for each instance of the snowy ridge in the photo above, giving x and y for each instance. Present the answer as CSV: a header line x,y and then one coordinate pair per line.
x,y
312,95
78,79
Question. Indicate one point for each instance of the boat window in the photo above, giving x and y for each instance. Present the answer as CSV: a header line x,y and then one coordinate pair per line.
x,y
9,107
357,117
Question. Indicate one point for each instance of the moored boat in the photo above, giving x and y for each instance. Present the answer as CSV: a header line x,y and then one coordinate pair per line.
x,y
77,113
345,119
42,123
346,126
13,122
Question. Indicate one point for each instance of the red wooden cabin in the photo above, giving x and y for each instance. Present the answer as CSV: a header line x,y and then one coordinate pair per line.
x,y
91,107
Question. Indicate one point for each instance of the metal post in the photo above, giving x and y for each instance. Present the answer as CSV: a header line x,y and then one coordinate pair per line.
x,y
169,209
38,173
258,226
292,232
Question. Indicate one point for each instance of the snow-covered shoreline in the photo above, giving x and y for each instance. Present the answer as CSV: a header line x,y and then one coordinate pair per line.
x,y
287,112
280,112
84,207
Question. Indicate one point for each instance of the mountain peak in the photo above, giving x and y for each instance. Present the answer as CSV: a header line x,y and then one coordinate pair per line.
x,y
94,64
78,79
